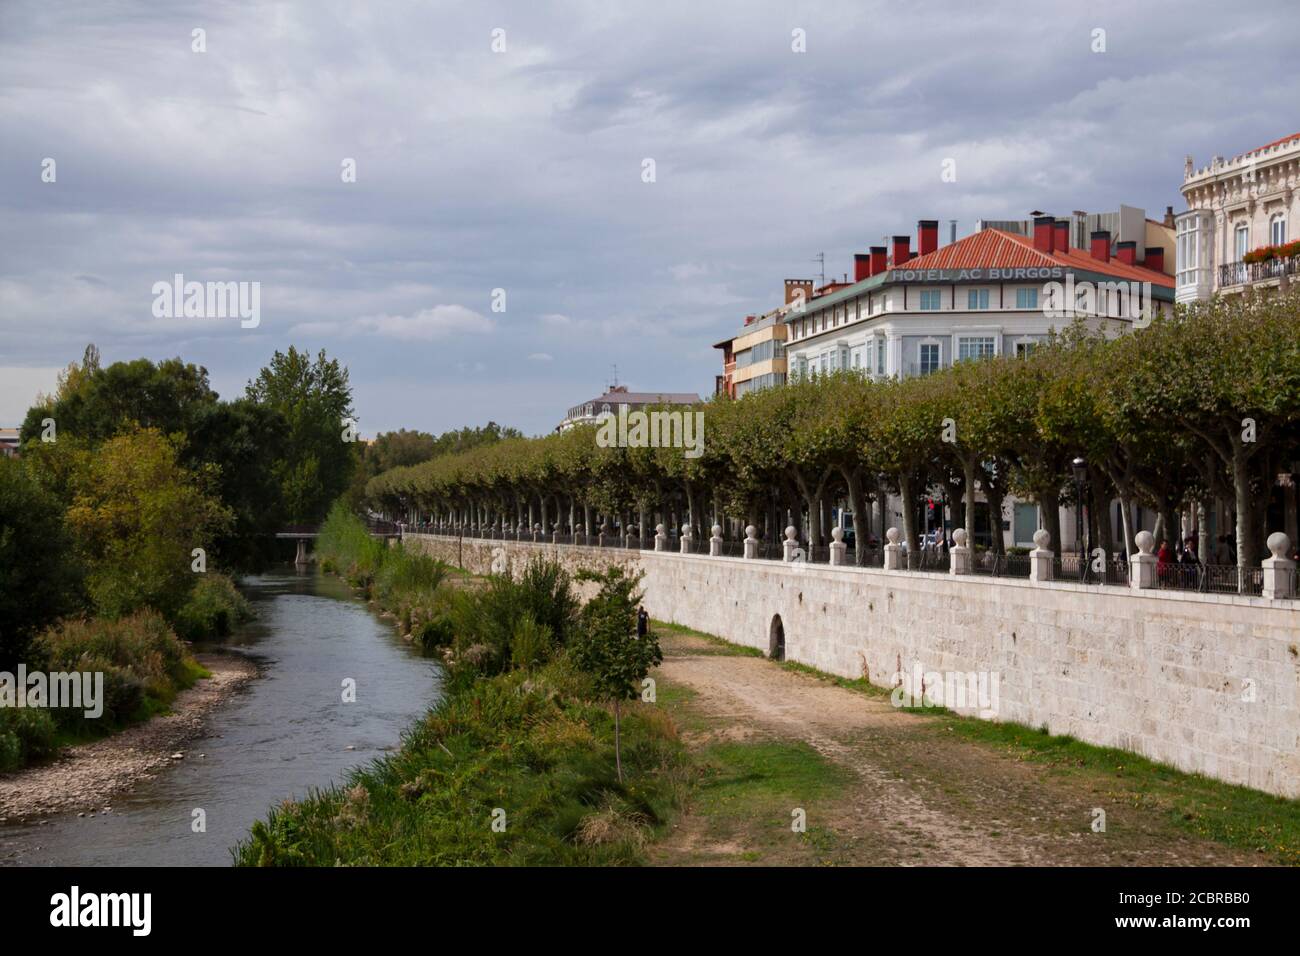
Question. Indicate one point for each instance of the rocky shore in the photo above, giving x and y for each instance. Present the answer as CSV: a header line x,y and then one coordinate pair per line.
x,y
84,778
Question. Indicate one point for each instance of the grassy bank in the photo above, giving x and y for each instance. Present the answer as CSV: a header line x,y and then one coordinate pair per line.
x,y
514,765
144,666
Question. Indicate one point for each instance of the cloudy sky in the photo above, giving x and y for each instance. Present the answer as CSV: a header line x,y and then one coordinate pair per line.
x,y
521,169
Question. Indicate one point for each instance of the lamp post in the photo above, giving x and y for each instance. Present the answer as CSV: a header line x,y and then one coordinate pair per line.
x,y
1080,468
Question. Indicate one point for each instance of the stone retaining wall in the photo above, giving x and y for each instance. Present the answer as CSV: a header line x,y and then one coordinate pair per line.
x,y
1207,683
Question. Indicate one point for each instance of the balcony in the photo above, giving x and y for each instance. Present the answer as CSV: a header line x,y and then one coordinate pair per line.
x,y
1248,273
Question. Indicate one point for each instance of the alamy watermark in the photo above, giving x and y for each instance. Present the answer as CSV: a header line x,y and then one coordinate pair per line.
x,y
956,690
638,429
1120,299
179,299
73,690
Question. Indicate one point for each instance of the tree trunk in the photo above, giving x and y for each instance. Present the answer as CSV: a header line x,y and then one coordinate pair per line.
x,y
861,519
1246,556
909,514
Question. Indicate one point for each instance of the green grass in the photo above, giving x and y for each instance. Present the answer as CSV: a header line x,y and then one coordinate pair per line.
x,y
1233,815
1225,813
528,745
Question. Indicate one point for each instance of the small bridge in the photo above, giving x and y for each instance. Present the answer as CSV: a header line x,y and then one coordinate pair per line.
x,y
302,533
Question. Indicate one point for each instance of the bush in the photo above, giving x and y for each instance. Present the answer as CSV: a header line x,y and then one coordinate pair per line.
x,y
25,735
143,662
530,645
213,609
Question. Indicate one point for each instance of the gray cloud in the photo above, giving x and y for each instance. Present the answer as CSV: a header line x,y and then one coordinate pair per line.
x,y
521,170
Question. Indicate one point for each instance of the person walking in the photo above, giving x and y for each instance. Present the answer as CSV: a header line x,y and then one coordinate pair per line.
x,y
642,622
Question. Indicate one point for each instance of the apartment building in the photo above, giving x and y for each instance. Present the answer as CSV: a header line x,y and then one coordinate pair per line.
x,y
1236,233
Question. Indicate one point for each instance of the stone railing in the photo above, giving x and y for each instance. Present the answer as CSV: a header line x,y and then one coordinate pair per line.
x,y
1276,575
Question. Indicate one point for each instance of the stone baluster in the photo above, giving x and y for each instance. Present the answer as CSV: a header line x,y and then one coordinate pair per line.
x,y
791,543
751,543
893,551
838,547
959,558
1142,566
715,542
688,540
1041,558
1279,570
661,538
555,533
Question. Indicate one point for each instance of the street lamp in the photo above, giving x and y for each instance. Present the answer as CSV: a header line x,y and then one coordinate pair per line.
x,y
1080,468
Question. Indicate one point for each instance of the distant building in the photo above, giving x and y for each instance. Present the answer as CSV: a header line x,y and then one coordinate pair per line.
x,y
1236,232
618,397
755,356
9,442
912,313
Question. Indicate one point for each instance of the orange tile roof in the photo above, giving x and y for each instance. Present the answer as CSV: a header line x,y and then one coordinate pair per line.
x,y
995,249
1276,142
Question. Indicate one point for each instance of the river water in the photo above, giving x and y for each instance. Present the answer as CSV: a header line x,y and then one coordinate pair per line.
x,y
286,733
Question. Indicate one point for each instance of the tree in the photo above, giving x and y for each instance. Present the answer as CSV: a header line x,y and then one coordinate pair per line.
x,y
316,462
94,403
38,576
136,516
608,650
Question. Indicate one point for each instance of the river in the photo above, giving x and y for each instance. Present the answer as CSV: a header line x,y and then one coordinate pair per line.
x,y
286,733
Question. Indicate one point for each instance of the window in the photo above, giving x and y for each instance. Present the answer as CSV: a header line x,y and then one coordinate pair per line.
x,y
977,299
1242,242
976,348
880,356
929,358
929,300
1026,298
1277,230
1024,348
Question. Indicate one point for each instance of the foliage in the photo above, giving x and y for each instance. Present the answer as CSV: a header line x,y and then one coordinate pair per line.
x,y
1200,405
39,580
315,463
136,516
143,662
26,735
608,649
213,609
529,743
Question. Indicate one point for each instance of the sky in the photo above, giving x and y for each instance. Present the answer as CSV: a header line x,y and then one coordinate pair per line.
x,y
503,244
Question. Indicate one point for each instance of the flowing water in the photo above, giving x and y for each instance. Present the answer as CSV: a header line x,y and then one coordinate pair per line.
x,y
284,734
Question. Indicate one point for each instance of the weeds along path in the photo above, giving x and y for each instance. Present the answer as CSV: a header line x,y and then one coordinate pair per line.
x,y
879,785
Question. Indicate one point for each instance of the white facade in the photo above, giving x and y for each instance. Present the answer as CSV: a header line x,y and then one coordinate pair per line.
x,y
1235,206
904,330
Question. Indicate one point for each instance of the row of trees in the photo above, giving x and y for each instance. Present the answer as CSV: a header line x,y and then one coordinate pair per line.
x,y
1202,406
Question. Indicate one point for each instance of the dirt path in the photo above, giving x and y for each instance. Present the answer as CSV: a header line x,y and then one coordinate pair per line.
x,y
85,777
915,797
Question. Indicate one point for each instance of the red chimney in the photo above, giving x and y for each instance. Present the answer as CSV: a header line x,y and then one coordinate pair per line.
x,y
878,254
1043,233
927,236
1155,258
1126,252
861,266
1101,245
1061,236
901,253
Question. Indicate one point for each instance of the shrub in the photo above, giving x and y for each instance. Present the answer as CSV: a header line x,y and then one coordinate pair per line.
x,y
530,645
141,658
213,609
25,734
